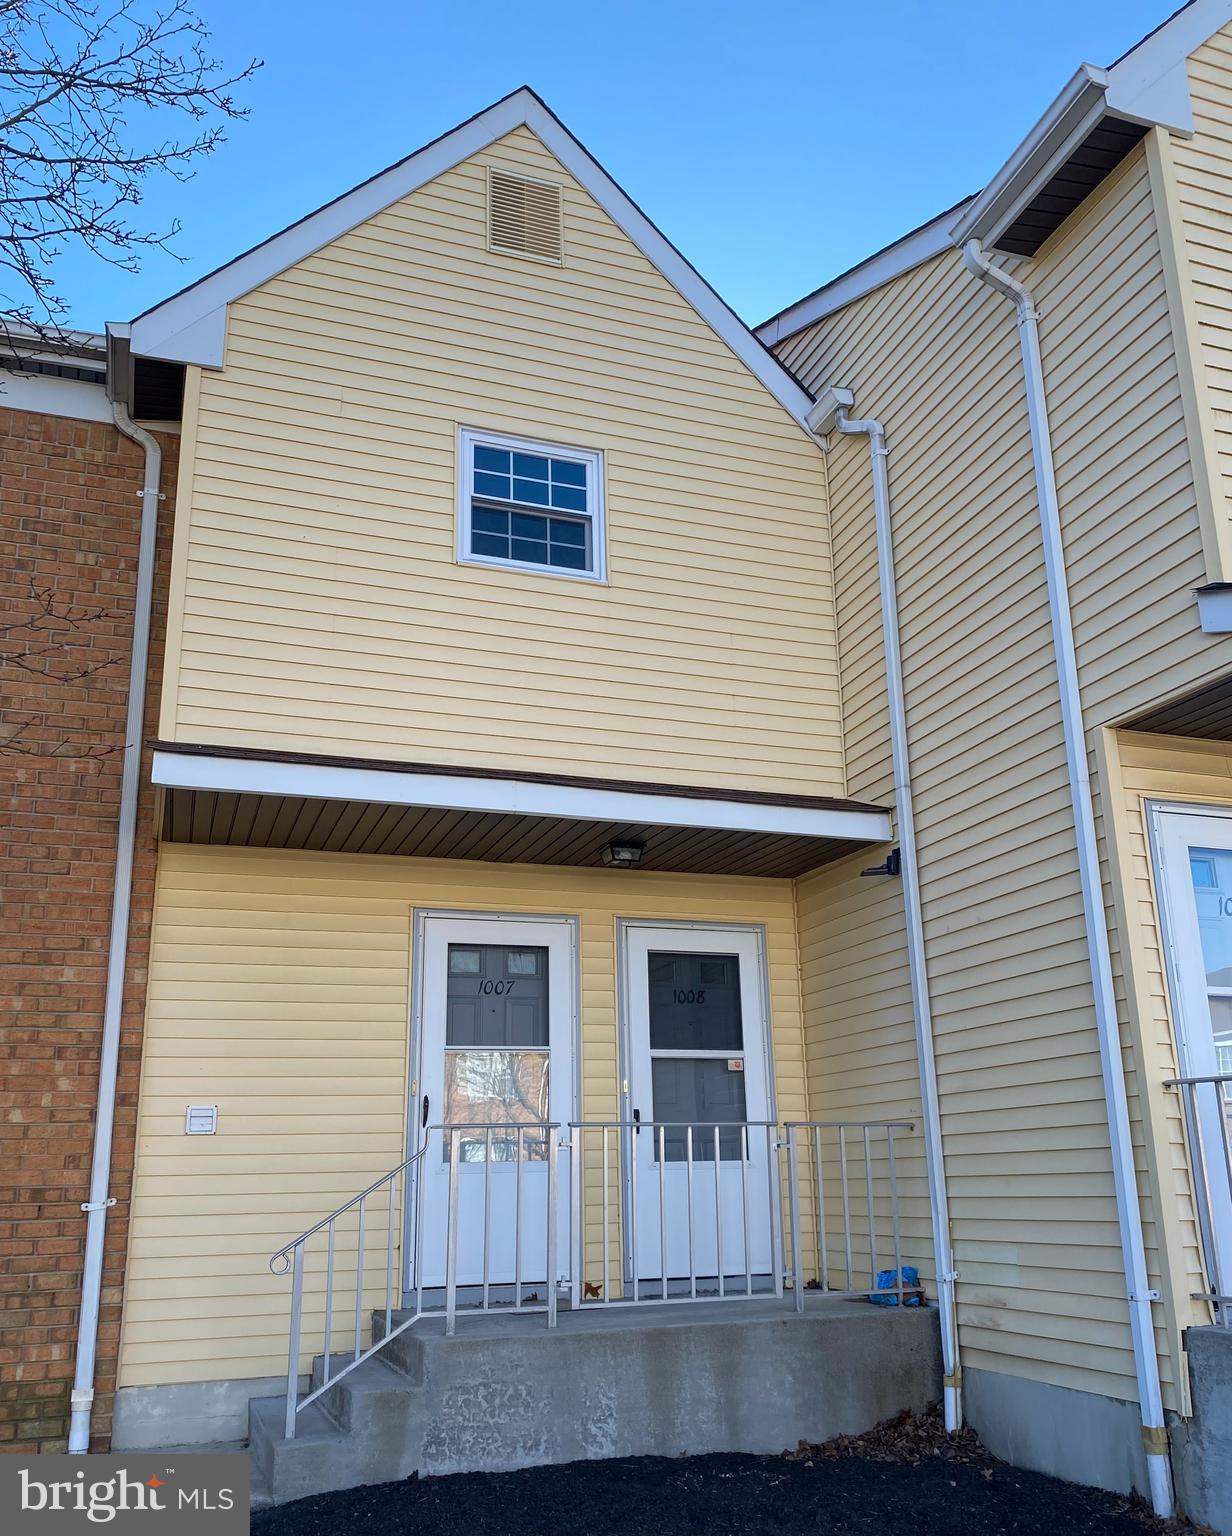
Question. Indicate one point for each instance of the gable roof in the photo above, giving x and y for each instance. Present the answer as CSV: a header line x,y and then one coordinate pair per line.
x,y
190,327
1096,119
910,250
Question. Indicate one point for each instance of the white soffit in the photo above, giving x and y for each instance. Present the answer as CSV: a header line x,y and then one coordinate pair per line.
x,y
190,327
517,797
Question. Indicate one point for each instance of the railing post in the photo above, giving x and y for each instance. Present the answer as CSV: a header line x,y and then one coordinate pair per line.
x,y
329,1299
451,1238
793,1195
663,1211
577,1219
744,1212
389,1260
297,1303
359,1280
898,1238
607,1278
870,1197
517,1220
718,1210
774,1188
630,1137
553,1154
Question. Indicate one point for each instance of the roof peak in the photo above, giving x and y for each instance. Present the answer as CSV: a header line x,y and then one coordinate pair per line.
x,y
189,327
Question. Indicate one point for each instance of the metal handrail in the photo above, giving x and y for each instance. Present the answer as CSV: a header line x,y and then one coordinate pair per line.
x,y
1218,1291
290,1257
715,1183
812,1133
283,1253
711,1136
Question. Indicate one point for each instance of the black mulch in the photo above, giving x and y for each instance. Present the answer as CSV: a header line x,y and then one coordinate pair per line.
x,y
905,1476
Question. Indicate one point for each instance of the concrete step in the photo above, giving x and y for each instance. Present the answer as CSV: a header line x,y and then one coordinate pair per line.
x,y
363,1429
376,1392
405,1352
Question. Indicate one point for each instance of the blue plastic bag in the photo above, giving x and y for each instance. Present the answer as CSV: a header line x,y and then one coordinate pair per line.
x,y
887,1279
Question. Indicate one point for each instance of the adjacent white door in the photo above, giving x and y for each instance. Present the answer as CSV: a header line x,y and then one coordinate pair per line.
x,y
699,1081
1193,851
494,1040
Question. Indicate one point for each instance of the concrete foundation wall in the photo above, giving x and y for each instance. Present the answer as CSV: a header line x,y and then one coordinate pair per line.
x,y
1202,1447
668,1391
187,1413
1080,1436
506,1393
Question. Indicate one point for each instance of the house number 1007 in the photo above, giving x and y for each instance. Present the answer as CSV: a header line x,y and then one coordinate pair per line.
x,y
497,987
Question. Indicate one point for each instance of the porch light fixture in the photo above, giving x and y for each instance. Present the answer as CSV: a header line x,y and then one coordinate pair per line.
x,y
892,866
623,855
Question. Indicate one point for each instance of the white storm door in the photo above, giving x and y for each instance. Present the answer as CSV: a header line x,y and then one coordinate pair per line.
x,y
1193,849
495,1014
698,1063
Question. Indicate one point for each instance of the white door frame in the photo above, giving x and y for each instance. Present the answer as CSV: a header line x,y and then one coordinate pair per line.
x,y
420,917
624,927
1173,830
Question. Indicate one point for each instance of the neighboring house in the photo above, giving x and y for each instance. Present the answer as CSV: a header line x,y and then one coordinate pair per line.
x,y
670,856
70,514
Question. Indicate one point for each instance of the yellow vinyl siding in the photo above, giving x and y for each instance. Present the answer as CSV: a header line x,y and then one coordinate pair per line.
x,y
1202,167
935,356
1135,768
859,1033
318,605
279,990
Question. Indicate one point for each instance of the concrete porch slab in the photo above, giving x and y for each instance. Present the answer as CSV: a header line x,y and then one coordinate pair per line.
x,y
506,1392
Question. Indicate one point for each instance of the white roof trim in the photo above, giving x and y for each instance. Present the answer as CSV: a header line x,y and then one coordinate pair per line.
x,y
51,396
191,326
459,792
1150,84
1050,143
874,272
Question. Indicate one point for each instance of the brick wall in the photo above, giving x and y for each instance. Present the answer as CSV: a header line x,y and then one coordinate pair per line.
x,y
69,523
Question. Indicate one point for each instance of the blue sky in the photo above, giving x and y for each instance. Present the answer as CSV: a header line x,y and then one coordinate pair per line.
x,y
776,142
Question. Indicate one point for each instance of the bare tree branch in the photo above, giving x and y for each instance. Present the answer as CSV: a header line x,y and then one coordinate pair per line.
x,y
86,92
42,645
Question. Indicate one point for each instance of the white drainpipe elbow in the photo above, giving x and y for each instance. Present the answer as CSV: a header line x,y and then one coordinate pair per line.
x,y
1129,1213
100,1200
830,412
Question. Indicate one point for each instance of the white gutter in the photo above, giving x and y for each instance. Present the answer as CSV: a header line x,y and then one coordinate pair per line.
x,y
831,411
1065,124
1154,1434
100,1200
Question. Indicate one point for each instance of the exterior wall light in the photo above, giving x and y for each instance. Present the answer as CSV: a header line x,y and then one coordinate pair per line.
x,y
623,855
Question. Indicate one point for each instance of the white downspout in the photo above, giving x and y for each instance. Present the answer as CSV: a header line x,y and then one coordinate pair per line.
x,y
831,409
117,953
1154,1434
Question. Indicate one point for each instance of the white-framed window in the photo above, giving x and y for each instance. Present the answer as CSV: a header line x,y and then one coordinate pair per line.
x,y
531,506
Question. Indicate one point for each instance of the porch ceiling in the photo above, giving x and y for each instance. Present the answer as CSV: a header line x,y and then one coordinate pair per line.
x,y
259,801
1206,712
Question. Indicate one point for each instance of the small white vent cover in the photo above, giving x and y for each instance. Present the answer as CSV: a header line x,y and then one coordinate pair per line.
x,y
524,217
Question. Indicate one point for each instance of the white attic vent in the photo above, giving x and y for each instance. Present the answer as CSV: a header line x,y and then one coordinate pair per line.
x,y
524,217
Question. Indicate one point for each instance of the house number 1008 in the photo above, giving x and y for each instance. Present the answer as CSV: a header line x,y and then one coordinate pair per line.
x,y
497,987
